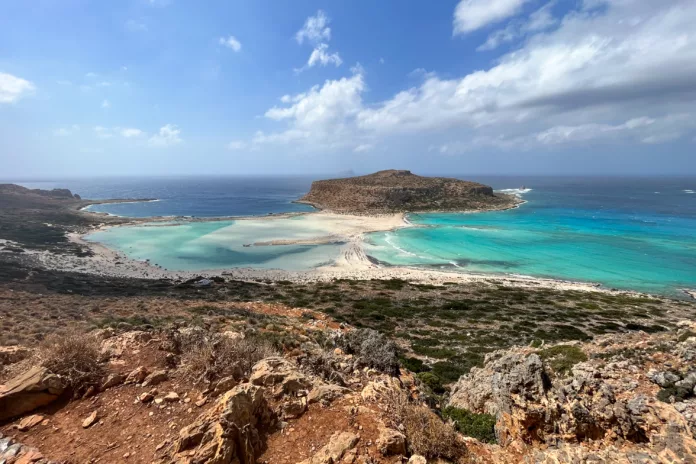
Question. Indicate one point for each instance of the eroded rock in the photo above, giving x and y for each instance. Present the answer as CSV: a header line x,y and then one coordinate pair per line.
x,y
28,391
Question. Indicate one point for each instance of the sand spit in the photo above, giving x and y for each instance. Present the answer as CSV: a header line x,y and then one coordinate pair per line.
x,y
352,262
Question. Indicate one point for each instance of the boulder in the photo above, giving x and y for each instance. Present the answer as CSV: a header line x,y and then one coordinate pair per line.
x,y
280,374
229,432
335,449
29,391
155,378
326,393
382,388
294,408
137,375
113,380
391,442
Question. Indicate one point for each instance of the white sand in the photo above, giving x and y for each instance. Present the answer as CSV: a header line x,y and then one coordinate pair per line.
x,y
352,263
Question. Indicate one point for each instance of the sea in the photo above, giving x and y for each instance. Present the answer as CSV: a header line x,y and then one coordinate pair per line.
x,y
626,233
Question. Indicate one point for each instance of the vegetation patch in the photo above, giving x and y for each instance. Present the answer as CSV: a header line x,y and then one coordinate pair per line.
x,y
562,358
479,426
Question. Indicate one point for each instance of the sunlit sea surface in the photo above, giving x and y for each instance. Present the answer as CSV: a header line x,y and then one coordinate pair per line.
x,y
637,233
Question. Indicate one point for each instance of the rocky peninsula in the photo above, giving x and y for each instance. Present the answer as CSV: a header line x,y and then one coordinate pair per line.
x,y
395,191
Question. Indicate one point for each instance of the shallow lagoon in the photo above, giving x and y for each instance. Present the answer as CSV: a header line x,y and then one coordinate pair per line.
x,y
192,246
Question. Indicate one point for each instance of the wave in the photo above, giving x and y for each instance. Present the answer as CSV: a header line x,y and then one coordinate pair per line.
x,y
688,191
388,238
517,192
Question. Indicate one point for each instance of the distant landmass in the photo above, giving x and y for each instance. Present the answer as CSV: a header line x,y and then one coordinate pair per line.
x,y
394,191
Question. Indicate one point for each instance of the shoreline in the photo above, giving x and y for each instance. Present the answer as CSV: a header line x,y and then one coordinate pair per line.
x,y
351,263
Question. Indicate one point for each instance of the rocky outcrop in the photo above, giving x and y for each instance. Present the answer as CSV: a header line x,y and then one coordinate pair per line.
x,y
401,191
29,391
335,449
599,412
230,432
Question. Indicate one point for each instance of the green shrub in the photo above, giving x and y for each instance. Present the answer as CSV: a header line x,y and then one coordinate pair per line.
x,y
433,382
479,426
562,358
678,393
414,364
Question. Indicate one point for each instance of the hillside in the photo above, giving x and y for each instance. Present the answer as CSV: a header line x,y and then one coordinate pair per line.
x,y
401,191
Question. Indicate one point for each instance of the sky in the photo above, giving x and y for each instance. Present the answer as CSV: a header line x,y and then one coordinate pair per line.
x,y
172,87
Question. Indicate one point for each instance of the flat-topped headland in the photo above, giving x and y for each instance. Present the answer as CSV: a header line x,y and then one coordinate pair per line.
x,y
395,191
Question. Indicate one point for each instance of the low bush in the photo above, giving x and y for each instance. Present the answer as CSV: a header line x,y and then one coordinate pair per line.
x,y
479,426
433,382
372,349
212,357
414,364
678,394
75,357
562,358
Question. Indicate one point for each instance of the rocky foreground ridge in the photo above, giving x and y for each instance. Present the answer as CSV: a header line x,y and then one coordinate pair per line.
x,y
401,191
331,394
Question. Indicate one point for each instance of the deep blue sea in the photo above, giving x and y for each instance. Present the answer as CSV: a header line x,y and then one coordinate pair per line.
x,y
629,233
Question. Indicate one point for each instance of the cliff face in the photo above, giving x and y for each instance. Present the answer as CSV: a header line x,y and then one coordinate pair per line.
x,y
401,191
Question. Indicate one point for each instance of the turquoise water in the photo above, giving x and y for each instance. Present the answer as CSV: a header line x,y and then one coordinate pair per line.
x,y
557,235
220,245
637,234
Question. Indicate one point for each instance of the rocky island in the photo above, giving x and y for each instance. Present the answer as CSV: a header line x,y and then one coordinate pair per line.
x,y
394,191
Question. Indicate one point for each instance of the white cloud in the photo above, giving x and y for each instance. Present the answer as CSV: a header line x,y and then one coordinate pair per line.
x,y
159,3
321,56
381,61
131,132
230,42
623,73
106,104
103,132
236,145
13,88
470,15
167,136
542,19
135,25
363,147
104,84
91,75
66,131
315,29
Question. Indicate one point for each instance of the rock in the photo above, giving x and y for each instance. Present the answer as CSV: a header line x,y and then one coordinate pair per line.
x,y
29,455
381,388
326,393
228,432
663,379
294,408
200,402
171,397
29,422
137,375
12,354
113,380
90,420
281,374
333,451
146,397
28,391
155,378
224,384
391,442
203,283
417,459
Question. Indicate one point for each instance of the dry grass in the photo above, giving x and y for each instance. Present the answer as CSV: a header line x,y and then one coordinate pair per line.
x,y
75,357
212,357
426,433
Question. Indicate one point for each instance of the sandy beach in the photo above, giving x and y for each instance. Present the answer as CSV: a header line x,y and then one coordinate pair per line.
x,y
352,262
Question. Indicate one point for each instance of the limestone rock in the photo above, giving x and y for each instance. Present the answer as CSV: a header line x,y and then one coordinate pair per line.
x,y
28,391
417,459
381,388
335,449
326,393
137,375
280,374
294,408
155,378
224,384
29,422
113,380
391,442
171,397
229,432
89,420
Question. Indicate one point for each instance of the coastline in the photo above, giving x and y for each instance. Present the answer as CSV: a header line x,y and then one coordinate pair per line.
x,y
352,262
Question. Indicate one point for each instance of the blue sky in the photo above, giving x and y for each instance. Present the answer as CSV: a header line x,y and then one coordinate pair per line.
x,y
471,86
